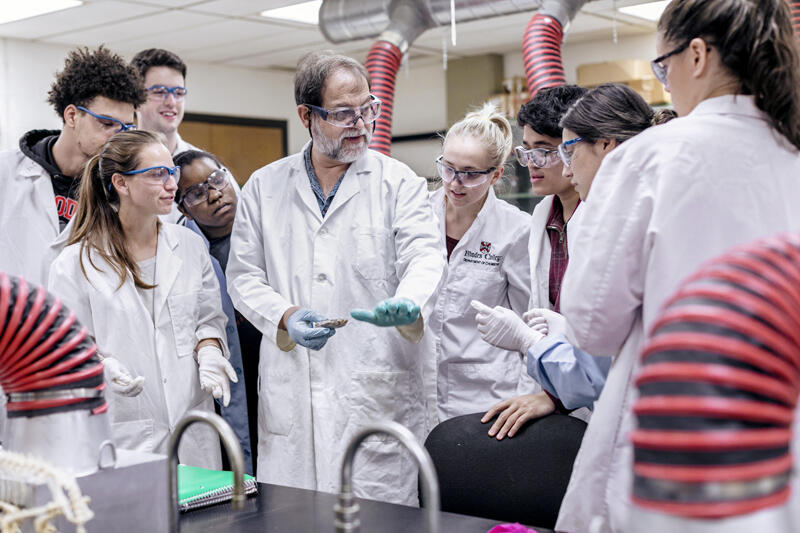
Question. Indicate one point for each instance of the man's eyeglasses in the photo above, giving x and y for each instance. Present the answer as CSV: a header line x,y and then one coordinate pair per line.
x,y
658,66
346,117
539,157
197,194
567,149
162,92
467,178
156,174
109,122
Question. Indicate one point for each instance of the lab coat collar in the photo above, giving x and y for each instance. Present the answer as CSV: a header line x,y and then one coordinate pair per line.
x,y
729,104
485,212
168,265
360,169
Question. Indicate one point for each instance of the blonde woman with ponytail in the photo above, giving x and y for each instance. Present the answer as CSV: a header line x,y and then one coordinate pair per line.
x,y
486,241
148,294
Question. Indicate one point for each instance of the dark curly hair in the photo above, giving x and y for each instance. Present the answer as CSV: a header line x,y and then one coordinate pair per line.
x,y
544,111
158,57
91,73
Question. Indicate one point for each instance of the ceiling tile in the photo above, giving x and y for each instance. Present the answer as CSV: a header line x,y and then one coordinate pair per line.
x,y
239,8
158,27
85,16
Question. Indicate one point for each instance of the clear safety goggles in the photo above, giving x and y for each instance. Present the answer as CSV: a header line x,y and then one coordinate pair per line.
x,y
197,194
156,174
162,92
567,149
108,122
538,157
467,178
346,117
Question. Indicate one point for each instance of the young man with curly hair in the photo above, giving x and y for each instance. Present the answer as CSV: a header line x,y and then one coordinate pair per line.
x,y
95,95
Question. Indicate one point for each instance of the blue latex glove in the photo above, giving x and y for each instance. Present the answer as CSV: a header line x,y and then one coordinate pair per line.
x,y
298,325
389,312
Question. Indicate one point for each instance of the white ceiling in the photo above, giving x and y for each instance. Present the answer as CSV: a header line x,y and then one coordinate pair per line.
x,y
231,32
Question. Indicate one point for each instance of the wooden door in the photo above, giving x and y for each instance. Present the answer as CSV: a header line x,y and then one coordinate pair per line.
x,y
242,144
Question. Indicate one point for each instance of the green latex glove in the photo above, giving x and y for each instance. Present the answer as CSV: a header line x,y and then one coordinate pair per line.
x,y
388,313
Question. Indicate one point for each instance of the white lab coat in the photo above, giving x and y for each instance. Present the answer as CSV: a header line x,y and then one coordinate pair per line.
x,y
377,240
539,254
661,204
489,264
187,310
30,238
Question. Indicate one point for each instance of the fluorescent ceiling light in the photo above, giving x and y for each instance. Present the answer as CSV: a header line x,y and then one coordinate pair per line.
x,y
649,11
18,10
306,12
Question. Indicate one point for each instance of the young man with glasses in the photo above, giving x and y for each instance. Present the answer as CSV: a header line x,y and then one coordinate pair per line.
x,y
318,234
164,75
541,136
95,95
208,201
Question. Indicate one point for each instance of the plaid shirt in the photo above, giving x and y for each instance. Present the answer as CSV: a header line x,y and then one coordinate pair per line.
x,y
559,257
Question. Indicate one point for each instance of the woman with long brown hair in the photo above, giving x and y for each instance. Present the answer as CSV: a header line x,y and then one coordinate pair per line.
x,y
724,173
148,294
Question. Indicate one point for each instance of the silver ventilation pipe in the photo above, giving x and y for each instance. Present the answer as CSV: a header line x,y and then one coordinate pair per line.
x,y
349,20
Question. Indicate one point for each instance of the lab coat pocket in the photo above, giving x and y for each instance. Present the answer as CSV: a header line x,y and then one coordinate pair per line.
x,y
278,401
378,396
372,252
182,310
475,387
133,435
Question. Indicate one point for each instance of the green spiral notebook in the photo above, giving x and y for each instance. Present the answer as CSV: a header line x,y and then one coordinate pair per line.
x,y
200,487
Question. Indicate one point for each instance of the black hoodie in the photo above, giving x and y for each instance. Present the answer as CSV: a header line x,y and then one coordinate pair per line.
x,y
38,145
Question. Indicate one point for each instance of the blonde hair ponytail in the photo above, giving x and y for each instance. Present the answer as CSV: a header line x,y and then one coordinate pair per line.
x,y
490,128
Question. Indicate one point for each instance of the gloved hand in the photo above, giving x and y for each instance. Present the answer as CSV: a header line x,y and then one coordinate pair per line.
x,y
556,323
503,328
216,373
119,378
389,312
298,325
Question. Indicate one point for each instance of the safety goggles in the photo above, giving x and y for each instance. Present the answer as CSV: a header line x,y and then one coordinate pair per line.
x,y
467,178
197,194
162,92
538,157
658,66
567,149
156,174
346,117
108,122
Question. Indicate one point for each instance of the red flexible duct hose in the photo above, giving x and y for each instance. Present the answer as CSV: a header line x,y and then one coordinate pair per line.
x,y
719,385
44,350
541,53
383,62
795,17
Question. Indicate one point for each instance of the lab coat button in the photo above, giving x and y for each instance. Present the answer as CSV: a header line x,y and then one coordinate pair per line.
x,y
165,380
323,231
321,277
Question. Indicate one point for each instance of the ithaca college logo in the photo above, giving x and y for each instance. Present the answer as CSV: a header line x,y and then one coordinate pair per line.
x,y
484,256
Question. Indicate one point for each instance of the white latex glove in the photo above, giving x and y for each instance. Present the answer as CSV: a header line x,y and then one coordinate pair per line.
x,y
503,328
119,378
216,373
556,323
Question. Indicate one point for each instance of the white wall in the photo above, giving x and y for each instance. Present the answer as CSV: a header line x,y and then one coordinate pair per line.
x,y
27,70
575,54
